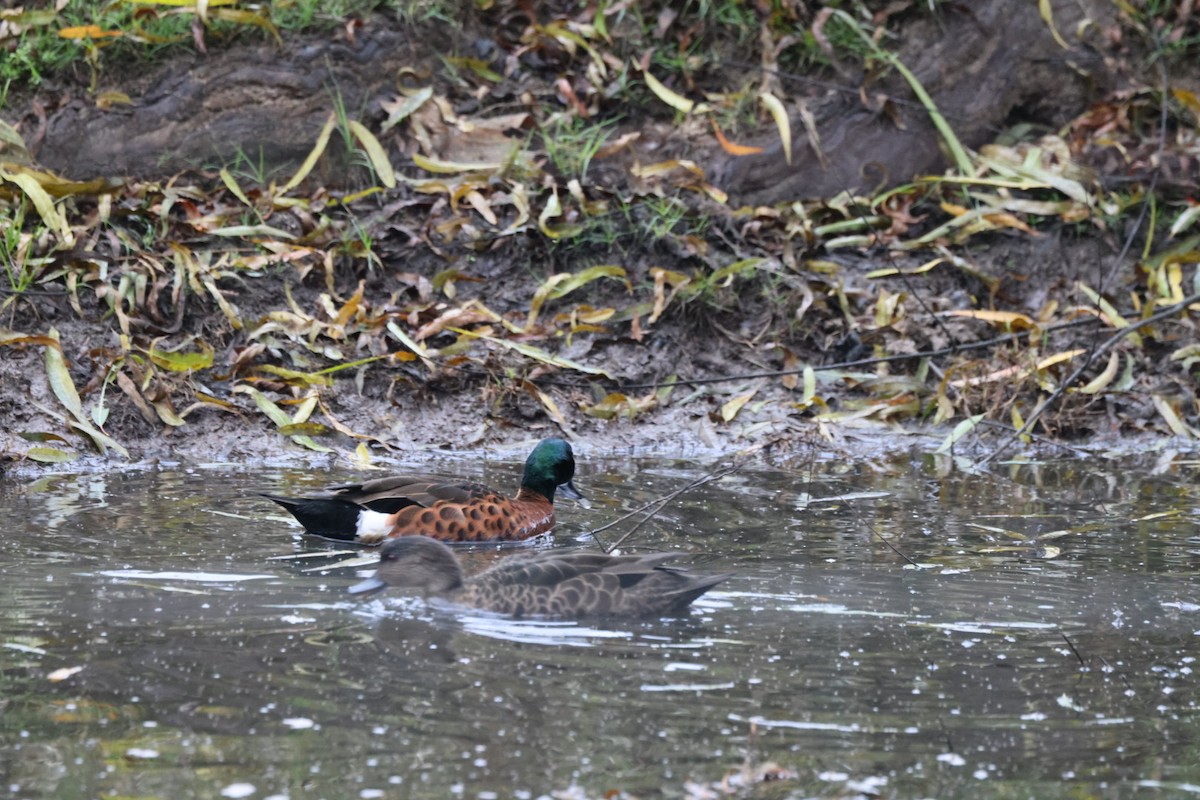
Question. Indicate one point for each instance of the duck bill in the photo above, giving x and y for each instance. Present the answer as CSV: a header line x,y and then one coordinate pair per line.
x,y
569,491
369,586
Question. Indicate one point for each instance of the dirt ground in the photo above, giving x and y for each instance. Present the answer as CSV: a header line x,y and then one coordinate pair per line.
x,y
191,112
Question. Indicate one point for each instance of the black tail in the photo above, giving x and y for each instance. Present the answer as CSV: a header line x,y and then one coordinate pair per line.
x,y
328,517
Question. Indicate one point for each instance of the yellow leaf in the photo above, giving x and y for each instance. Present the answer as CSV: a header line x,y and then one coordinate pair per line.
x,y
362,456
810,385
64,389
408,342
249,231
1018,422
49,455
166,413
182,362
663,277
1048,17
1005,220
1171,416
42,201
675,101
1185,220
294,377
617,404
1058,358
477,202
564,283
1101,381
246,17
310,428
265,405
314,155
449,167
551,408
664,167
232,185
779,114
536,353
106,100
279,417
400,110
731,408
60,379
960,430
1008,320
553,210
87,32
1110,314
375,153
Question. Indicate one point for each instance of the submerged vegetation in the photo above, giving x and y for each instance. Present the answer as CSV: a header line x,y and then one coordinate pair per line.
x,y
536,222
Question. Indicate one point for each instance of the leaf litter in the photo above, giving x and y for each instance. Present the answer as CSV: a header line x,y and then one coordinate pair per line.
x,y
225,294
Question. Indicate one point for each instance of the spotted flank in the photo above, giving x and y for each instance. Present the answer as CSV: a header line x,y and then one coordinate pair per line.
x,y
450,511
552,585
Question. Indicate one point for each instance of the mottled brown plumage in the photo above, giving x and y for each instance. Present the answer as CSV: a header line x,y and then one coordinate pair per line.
x,y
554,585
428,505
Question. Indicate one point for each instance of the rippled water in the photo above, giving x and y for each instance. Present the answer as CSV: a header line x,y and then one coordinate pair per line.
x,y
160,636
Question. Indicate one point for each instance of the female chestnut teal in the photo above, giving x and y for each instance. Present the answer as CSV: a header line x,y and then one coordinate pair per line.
x,y
453,511
553,585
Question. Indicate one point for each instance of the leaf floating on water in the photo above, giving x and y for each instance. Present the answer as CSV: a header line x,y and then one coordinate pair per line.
x,y
62,674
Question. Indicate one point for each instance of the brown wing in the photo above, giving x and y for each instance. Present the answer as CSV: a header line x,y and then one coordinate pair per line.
x,y
551,569
389,495
587,585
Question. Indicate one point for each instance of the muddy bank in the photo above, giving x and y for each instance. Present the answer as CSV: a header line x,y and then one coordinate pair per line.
x,y
209,316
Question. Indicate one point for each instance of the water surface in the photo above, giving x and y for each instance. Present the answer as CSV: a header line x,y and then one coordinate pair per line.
x,y
161,636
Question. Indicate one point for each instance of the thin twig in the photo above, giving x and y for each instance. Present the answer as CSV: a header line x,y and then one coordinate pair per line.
x,y
1071,645
654,506
890,546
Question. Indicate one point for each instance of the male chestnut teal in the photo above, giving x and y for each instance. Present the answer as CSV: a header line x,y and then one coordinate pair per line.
x,y
440,508
554,585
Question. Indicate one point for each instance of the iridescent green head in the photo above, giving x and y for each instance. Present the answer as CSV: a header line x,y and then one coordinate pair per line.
x,y
549,466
